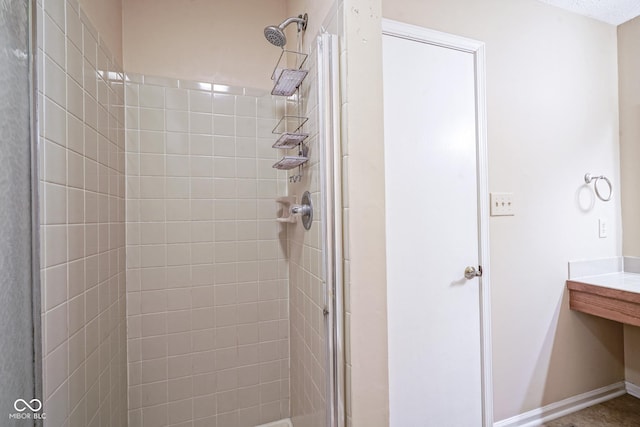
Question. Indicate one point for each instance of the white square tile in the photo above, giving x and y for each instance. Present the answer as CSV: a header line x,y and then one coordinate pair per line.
x,y
90,77
177,121
223,125
57,368
152,119
224,146
201,145
55,286
178,188
90,47
75,170
202,166
55,82
223,104
151,96
90,111
152,164
75,98
74,27
55,208
177,143
55,163
200,102
152,142
54,41
246,106
55,327
177,99
245,127
200,123
55,123
245,147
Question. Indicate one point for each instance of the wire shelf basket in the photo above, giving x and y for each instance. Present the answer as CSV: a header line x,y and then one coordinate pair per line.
x,y
287,78
290,130
290,162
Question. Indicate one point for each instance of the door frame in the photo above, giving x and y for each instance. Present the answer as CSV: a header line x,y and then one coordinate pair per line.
x,y
477,49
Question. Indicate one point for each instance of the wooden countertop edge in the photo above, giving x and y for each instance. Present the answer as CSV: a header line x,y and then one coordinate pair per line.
x,y
618,294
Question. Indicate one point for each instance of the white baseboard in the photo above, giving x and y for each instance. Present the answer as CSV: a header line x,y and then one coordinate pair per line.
x,y
567,406
633,389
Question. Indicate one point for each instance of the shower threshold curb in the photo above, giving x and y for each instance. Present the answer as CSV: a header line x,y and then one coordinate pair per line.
x,y
280,423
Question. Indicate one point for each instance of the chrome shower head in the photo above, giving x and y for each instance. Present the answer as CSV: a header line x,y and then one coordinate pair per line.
x,y
275,35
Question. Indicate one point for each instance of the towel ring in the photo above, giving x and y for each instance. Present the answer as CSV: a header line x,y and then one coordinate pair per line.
x,y
588,178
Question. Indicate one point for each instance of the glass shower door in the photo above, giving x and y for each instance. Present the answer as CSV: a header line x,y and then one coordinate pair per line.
x,y
19,285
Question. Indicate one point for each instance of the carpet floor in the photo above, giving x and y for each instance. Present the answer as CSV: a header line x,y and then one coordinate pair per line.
x,y
623,411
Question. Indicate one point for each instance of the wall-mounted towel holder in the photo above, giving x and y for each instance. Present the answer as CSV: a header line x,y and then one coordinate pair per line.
x,y
589,177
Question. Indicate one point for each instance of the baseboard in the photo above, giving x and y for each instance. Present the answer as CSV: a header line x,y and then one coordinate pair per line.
x,y
567,406
632,389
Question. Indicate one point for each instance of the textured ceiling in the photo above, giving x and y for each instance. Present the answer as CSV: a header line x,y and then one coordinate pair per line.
x,y
611,11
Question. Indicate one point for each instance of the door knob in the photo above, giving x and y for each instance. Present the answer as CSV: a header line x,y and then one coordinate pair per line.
x,y
471,272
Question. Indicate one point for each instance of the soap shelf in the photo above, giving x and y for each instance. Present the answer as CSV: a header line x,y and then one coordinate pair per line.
x,y
289,129
285,214
287,78
290,162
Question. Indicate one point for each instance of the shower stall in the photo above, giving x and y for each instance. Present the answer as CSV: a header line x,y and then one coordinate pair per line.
x,y
186,281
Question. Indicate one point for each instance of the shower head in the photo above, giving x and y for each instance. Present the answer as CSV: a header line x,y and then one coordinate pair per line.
x,y
275,35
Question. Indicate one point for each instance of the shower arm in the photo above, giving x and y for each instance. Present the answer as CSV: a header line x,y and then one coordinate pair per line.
x,y
300,20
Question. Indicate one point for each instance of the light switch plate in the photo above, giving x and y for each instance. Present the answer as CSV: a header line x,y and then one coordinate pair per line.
x,y
502,204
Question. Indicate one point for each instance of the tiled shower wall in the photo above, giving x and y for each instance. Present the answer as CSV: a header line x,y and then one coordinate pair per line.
x,y
306,282
207,292
81,154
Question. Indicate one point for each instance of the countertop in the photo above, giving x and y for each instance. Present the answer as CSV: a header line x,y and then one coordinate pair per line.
x,y
621,281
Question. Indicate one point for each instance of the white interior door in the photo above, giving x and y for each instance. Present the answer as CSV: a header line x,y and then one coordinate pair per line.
x,y
434,312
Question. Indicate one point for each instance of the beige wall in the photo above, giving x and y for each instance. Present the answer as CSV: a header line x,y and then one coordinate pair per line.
x,y
215,41
81,154
364,220
552,117
629,92
318,12
632,354
629,67
106,16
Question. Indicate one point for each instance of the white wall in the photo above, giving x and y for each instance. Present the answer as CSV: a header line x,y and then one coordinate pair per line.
x,y
552,117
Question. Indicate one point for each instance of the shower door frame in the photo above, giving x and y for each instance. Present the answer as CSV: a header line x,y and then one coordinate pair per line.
x,y
331,206
32,279
35,206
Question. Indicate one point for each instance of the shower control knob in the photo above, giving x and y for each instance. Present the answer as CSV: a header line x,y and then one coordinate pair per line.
x,y
300,209
304,209
471,272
